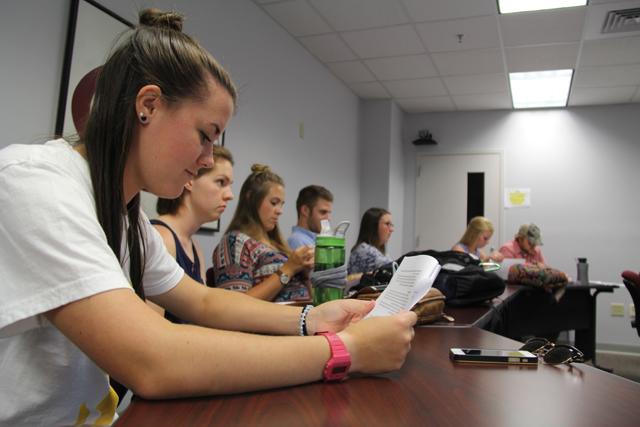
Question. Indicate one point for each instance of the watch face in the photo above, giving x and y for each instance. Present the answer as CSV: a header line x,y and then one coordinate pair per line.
x,y
284,279
339,369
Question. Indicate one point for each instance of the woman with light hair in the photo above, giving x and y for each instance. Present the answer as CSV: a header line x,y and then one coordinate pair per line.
x,y
476,237
203,200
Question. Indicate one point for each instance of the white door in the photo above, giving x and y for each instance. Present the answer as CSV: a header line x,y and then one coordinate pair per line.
x,y
441,198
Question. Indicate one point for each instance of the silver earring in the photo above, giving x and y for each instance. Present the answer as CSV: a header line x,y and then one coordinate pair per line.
x,y
143,119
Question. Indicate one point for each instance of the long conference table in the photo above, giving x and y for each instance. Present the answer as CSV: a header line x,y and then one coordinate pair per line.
x,y
429,390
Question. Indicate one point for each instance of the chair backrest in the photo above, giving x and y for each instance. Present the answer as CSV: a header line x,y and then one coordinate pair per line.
x,y
631,280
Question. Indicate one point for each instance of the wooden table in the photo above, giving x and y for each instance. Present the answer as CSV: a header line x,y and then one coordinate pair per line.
x,y
429,390
523,311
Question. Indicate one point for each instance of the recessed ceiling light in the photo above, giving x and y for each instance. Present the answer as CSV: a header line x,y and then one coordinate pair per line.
x,y
540,89
512,6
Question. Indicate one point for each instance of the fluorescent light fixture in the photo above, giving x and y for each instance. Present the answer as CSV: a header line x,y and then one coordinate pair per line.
x,y
513,6
540,89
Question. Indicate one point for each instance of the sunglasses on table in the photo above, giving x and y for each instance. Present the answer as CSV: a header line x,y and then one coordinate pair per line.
x,y
552,354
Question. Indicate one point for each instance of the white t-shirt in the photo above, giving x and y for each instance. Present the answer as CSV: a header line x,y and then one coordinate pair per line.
x,y
53,251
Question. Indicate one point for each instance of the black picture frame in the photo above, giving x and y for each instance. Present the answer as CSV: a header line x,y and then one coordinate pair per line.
x,y
84,51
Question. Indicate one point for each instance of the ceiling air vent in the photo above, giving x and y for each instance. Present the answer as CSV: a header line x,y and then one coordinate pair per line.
x,y
620,21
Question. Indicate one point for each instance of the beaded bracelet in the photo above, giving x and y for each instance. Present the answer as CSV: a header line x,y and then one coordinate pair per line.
x,y
303,320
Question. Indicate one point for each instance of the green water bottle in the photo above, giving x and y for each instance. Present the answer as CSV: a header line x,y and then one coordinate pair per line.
x,y
329,253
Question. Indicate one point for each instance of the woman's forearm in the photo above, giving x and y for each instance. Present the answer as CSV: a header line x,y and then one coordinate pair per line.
x,y
159,359
267,289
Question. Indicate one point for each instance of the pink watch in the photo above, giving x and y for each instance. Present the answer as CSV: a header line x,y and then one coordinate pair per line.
x,y
338,364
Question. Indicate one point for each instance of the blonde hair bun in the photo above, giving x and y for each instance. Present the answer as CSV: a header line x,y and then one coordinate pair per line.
x,y
259,168
153,17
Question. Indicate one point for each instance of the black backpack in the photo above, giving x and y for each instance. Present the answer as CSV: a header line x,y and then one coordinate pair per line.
x,y
462,280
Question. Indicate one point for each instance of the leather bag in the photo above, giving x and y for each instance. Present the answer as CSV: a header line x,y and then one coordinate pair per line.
x,y
429,309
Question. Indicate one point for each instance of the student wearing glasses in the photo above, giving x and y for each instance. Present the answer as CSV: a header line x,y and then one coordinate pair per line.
x,y
368,253
526,245
78,259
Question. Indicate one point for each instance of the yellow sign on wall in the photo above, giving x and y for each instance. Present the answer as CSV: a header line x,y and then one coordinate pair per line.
x,y
517,198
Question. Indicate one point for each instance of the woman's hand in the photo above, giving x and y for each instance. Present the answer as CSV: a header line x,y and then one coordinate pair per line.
x,y
334,316
496,256
301,258
379,344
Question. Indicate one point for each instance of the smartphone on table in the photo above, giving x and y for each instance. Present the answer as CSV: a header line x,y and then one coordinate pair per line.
x,y
478,355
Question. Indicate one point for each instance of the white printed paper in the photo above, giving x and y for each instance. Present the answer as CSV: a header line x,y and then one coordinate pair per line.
x,y
409,284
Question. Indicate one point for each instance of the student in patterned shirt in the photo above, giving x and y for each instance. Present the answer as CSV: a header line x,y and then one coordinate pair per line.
x,y
252,256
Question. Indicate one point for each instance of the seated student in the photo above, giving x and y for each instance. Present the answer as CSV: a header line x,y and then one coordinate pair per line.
x,y
72,309
252,256
314,204
526,244
476,237
203,199
368,253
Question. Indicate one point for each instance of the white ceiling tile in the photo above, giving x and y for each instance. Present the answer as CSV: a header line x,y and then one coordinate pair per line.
x,y
478,61
601,95
425,105
351,71
345,15
434,10
298,18
483,101
615,75
402,67
477,33
327,47
610,51
389,41
535,58
415,88
477,83
554,26
369,90
409,50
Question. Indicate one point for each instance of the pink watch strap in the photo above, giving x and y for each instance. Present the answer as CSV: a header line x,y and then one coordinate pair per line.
x,y
337,366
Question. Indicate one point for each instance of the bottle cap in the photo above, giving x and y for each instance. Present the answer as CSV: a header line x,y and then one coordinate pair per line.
x,y
325,228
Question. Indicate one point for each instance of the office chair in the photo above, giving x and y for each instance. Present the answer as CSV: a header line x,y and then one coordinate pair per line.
x,y
631,280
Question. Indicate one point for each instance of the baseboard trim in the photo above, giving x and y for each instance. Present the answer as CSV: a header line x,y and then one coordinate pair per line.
x,y
619,348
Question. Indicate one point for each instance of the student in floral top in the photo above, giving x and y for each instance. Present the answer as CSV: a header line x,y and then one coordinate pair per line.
x,y
252,256
369,251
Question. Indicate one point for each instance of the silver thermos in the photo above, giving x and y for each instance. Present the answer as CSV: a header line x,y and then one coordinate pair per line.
x,y
583,271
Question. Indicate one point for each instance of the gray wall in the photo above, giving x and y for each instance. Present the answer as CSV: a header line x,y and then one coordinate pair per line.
x,y
381,165
581,167
32,37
